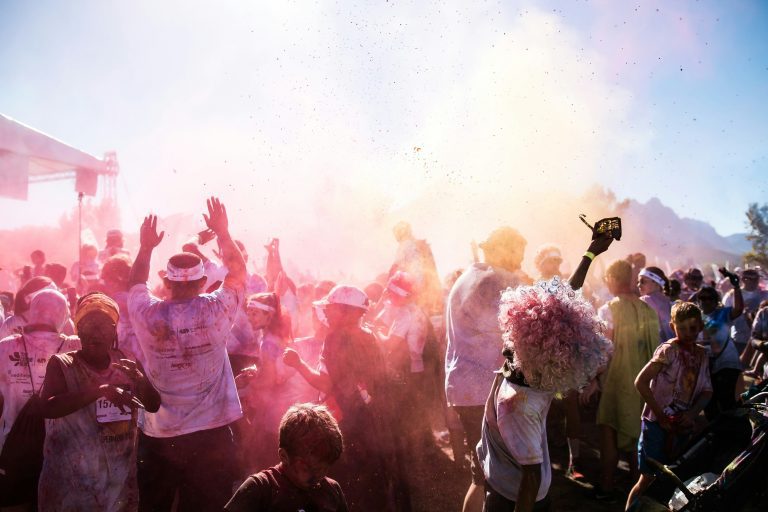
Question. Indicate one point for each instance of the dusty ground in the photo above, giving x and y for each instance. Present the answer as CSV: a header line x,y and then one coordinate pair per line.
x,y
438,485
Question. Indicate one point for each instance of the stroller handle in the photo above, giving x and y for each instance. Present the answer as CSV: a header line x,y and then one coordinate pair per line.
x,y
758,397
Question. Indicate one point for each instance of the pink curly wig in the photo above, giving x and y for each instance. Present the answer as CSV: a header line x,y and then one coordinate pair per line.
x,y
554,335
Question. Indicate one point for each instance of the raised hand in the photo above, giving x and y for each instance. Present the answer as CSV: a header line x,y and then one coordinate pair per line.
x,y
600,244
733,278
148,235
216,220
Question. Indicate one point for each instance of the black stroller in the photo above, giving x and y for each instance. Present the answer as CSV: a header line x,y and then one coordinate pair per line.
x,y
734,447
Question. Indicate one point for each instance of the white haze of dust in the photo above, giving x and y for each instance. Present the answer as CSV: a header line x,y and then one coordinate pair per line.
x,y
325,133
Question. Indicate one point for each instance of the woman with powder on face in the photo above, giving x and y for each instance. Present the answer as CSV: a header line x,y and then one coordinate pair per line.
x,y
90,397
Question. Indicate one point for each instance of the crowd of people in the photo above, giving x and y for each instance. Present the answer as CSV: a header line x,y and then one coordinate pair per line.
x,y
224,389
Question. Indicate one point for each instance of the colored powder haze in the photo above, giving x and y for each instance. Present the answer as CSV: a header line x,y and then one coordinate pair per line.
x,y
324,124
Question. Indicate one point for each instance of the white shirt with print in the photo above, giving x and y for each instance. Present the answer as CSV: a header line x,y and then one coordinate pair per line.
x,y
15,384
184,346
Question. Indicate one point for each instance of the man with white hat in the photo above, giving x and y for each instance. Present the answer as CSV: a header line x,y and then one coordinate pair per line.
x,y
351,372
187,445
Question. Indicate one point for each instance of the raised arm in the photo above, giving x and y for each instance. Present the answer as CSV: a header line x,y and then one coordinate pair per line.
x,y
315,378
218,222
598,246
149,239
738,298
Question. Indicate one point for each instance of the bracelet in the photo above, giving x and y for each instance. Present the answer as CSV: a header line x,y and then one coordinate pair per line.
x,y
590,255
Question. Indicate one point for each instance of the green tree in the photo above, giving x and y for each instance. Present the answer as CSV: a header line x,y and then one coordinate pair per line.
x,y
757,217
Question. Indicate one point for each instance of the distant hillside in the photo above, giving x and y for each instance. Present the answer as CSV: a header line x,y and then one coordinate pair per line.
x,y
661,233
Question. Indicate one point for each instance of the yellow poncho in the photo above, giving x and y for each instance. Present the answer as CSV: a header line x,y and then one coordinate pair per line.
x,y
635,337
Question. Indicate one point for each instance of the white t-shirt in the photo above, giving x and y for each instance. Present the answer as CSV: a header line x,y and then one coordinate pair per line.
x,y
410,323
604,314
474,343
15,386
184,345
518,420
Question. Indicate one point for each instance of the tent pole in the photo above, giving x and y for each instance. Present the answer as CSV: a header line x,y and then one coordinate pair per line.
x,y
79,238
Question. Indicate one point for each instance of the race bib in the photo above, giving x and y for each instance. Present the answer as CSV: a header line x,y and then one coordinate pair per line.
x,y
107,412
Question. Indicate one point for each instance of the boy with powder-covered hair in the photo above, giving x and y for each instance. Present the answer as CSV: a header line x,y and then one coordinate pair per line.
x,y
310,443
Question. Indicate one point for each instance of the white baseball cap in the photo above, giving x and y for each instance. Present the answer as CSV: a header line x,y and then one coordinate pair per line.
x,y
344,294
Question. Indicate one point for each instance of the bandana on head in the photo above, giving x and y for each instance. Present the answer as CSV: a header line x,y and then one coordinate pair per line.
x,y
97,302
179,274
653,277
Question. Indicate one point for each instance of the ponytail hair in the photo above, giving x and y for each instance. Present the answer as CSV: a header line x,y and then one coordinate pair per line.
x,y
660,273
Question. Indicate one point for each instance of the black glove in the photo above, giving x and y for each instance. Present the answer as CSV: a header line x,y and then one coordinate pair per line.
x,y
733,278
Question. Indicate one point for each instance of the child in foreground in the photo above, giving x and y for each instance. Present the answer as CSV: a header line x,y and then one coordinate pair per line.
x,y
310,442
676,387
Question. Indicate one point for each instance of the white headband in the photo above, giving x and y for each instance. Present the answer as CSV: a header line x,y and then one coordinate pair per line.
x,y
653,277
255,304
175,273
552,254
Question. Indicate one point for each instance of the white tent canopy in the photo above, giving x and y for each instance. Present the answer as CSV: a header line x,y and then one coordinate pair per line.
x,y
26,153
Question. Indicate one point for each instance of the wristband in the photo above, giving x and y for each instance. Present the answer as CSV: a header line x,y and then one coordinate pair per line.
x,y
590,255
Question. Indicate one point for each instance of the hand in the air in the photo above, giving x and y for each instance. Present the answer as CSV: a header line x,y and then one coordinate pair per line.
x,y
216,220
148,235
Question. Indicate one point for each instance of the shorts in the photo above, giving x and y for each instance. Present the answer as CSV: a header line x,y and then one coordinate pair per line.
x,y
653,443
495,502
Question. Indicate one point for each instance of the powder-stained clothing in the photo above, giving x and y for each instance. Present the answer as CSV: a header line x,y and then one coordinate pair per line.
x,y
473,333
635,336
270,490
309,350
90,454
15,386
717,328
352,359
741,331
683,378
663,307
410,323
268,401
184,344
14,324
127,341
515,434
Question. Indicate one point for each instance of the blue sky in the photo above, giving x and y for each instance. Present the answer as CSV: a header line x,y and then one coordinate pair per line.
x,y
317,108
